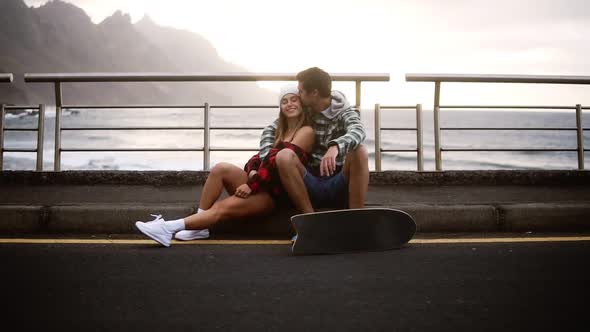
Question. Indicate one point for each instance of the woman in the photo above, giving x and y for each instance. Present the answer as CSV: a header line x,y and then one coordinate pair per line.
x,y
254,190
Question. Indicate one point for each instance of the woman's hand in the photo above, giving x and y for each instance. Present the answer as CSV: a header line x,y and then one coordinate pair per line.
x,y
243,191
252,174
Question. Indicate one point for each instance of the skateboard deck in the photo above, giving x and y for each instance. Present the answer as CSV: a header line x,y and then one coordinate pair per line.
x,y
339,231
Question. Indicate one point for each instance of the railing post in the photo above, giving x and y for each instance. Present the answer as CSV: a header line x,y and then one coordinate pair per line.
x,y
206,144
2,112
40,132
437,151
358,95
580,131
58,104
419,145
377,138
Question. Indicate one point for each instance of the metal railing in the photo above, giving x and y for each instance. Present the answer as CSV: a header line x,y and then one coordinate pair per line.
x,y
6,78
60,78
40,130
207,149
419,146
532,79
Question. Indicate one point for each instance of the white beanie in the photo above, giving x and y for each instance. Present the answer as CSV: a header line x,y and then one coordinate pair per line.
x,y
287,89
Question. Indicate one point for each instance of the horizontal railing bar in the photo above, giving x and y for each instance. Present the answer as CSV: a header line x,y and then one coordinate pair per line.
x,y
236,128
6,78
20,150
511,150
234,149
389,128
158,128
399,150
20,107
487,78
156,150
130,128
398,107
20,129
194,77
511,106
244,106
130,150
485,128
82,107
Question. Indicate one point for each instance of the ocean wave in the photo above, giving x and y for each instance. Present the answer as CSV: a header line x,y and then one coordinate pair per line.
x,y
27,114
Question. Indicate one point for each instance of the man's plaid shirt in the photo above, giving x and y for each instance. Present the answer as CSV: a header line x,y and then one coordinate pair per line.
x,y
344,130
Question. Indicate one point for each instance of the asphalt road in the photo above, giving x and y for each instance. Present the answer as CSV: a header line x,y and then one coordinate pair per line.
x,y
423,287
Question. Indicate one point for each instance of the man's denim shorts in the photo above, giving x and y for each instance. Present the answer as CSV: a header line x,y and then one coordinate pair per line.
x,y
327,192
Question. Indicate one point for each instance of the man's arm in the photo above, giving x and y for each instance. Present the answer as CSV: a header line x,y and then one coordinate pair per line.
x,y
267,139
355,132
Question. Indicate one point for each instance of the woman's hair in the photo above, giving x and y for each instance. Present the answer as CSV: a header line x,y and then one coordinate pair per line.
x,y
304,120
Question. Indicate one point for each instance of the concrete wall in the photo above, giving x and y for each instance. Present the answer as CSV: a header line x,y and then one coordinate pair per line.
x,y
109,202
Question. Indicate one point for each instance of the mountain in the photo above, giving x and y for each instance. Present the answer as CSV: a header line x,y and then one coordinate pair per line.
x,y
60,37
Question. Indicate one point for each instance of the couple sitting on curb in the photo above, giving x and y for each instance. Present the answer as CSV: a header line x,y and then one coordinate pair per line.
x,y
310,157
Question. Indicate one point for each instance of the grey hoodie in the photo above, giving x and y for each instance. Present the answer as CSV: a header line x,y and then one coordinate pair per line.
x,y
339,104
340,124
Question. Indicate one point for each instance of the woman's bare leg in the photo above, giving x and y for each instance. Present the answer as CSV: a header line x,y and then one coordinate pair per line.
x,y
231,208
223,175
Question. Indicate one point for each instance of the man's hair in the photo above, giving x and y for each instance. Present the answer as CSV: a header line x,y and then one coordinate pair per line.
x,y
315,78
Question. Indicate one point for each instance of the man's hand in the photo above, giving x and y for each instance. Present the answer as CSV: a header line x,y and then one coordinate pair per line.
x,y
328,165
243,191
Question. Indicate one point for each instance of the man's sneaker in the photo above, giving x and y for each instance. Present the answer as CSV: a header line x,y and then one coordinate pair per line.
x,y
156,230
187,235
294,238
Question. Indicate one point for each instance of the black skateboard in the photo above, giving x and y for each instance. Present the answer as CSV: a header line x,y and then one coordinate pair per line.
x,y
339,231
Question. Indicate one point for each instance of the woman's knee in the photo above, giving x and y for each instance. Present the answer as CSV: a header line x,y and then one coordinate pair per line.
x,y
285,158
220,169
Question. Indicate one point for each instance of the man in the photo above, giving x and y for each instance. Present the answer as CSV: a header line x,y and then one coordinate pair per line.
x,y
338,175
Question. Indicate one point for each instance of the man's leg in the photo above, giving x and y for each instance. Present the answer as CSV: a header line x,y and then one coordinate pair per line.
x,y
356,172
291,172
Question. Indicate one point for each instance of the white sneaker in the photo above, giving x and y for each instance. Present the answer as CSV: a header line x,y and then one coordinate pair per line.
x,y
157,216
156,230
188,235
294,238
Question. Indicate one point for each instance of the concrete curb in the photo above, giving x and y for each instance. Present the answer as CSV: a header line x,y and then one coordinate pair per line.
x,y
108,218
22,219
453,218
120,218
546,217
195,178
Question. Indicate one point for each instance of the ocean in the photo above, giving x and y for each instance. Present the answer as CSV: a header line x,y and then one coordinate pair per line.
x,y
261,117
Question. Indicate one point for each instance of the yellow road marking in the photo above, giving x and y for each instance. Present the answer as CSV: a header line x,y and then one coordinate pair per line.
x,y
284,242
132,241
504,240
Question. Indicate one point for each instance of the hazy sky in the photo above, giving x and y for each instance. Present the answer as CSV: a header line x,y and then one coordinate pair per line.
x,y
537,37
